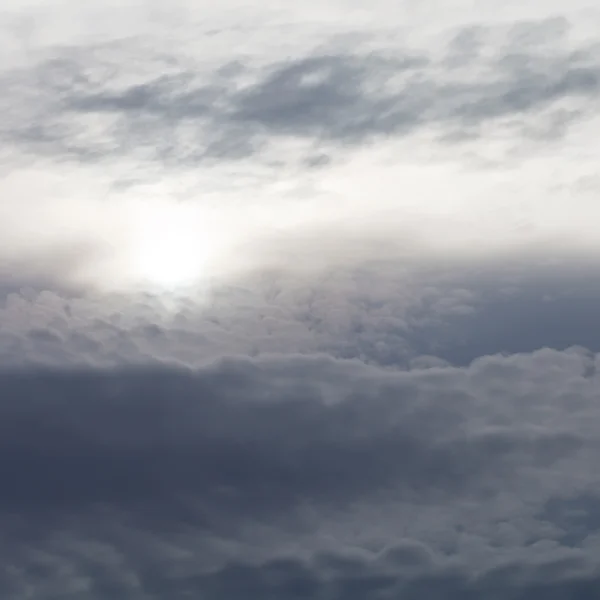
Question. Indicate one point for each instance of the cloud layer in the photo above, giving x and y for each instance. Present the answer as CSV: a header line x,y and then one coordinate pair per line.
x,y
87,104
299,301
246,443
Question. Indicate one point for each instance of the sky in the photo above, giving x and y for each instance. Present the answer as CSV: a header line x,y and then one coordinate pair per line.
x,y
299,300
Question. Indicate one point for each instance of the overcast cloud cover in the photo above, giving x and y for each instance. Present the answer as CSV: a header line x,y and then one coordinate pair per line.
x,y
299,300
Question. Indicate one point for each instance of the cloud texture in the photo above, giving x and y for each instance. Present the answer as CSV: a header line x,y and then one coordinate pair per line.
x,y
295,450
299,301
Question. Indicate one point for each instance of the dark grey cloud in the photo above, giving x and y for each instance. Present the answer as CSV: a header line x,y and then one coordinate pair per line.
x,y
267,433
576,515
508,309
295,580
83,104
406,569
94,462
353,579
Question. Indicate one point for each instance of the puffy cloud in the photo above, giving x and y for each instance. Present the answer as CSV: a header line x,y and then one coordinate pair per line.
x,y
382,380
249,444
273,433
390,312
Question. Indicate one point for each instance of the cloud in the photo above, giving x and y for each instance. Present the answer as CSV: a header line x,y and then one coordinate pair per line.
x,y
389,312
383,380
96,570
344,97
85,104
108,456
293,580
276,432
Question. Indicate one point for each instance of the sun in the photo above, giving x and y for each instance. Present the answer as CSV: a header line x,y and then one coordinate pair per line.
x,y
172,257
171,247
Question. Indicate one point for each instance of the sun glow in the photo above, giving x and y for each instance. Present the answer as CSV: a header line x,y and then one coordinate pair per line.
x,y
173,246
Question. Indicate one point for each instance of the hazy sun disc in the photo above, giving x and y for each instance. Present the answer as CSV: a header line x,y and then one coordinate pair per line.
x,y
172,247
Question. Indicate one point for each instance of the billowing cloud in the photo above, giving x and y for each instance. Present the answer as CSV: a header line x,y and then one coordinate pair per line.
x,y
299,300
302,442
386,313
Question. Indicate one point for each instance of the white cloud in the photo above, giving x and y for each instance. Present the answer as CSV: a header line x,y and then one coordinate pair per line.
x,y
464,159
